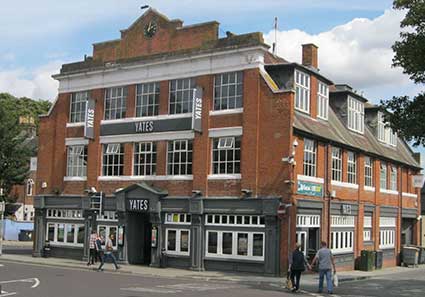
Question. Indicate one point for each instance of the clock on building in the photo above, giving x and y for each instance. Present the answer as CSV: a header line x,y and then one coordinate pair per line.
x,y
150,29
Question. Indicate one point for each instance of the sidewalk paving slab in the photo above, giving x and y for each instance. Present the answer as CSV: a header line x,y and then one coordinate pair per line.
x,y
307,278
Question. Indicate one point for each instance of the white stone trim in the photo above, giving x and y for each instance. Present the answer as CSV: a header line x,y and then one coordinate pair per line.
x,y
79,124
369,189
391,192
313,179
163,69
146,177
224,176
410,195
188,134
75,178
227,131
76,141
226,111
344,184
142,119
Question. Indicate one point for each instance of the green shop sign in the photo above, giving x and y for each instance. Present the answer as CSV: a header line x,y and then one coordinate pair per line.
x,y
310,189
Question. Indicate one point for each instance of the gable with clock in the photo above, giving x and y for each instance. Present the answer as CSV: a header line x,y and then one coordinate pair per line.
x,y
150,29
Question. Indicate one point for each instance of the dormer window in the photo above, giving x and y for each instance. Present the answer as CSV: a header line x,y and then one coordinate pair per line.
x,y
385,134
322,101
302,91
355,115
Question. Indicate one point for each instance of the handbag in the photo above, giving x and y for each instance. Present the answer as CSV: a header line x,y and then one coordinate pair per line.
x,y
335,279
289,284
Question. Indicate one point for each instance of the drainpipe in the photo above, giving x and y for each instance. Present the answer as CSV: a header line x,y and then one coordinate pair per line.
x,y
327,193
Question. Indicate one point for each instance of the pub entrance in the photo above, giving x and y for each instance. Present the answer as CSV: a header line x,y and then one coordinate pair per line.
x,y
139,232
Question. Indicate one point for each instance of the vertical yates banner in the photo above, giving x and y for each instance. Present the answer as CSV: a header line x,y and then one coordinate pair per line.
x,y
197,110
89,122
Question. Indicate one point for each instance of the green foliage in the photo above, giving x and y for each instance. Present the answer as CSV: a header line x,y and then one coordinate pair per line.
x,y
15,152
408,114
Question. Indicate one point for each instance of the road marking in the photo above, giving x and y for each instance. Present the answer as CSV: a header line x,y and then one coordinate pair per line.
x,y
150,290
1,265
4,294
34,280
179,288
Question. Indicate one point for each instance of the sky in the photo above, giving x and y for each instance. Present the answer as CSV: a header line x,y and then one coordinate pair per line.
x,y
354,37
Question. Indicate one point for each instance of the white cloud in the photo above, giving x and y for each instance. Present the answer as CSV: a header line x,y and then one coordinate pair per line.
x,y
357,53
37,83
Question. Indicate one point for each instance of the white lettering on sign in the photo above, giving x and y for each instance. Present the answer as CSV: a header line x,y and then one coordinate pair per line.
x,y
198,108
138,204
142,127
90,118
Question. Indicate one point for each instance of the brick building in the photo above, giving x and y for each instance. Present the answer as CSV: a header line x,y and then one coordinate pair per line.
x,y
194,142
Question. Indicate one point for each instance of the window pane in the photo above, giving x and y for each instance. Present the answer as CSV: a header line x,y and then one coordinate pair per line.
x,y
227,243
257,249
80,235
171,242
51,232
242,244
212,242
61,233
184,241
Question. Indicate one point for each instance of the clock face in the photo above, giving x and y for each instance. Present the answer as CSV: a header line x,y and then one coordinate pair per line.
x,y
150,29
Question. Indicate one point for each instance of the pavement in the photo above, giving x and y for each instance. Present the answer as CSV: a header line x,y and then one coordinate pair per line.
x,y
307,278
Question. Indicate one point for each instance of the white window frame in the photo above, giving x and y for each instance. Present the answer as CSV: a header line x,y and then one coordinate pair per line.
x,y
223,84
117,98
64,214
386,238
368,171
322,100
308,221
351,167
310,157
107,234
234,220
393,178
385,134
147,99
107,216
367,228
178,219
181,93
65,242
78,99
231,146
111,152
355,117
178,250
302,91
336,164
234,255
76,161
383,173
342,241
144,159
184,168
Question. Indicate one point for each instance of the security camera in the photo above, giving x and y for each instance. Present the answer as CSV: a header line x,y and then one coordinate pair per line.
x,y
295,143
93,190
196,193
246,191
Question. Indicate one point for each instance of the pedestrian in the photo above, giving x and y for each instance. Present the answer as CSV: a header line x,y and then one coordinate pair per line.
x,y
109,253
326,262
99,250
297,265
92,246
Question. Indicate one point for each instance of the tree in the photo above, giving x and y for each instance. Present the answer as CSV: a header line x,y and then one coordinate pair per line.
x,y
407,115
15,152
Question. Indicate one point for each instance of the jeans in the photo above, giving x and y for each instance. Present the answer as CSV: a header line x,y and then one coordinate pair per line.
x,y
108,255
328,273
295,278
92,257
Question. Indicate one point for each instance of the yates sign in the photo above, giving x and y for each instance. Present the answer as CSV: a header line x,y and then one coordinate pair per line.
x,y
197,110
89,122
139,205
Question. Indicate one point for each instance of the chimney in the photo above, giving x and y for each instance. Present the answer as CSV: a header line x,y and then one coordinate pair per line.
x,y
310,55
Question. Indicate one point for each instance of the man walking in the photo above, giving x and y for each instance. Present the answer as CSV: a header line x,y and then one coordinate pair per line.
x,y
326,262
92,246
109,253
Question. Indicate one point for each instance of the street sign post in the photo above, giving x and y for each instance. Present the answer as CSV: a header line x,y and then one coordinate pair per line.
x,y
2,206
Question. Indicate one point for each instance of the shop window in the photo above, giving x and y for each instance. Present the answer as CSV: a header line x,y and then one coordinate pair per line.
x,y
322,101
181,95
309,157
105,231
235,220
368,172
65,234
76,164
178,218
179,157
336,164
178,241
145,158
302,91
228,90
147,99
342,234
113,159
77,110
234,244
352,168
115,103
227,155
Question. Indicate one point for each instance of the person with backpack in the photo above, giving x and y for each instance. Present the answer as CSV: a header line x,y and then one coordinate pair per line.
x,y
109,253
297,265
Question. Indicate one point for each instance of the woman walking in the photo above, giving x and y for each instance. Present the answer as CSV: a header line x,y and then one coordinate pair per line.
x,y
297,265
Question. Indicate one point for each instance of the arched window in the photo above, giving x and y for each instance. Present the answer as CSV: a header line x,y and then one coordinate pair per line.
x,y
30,186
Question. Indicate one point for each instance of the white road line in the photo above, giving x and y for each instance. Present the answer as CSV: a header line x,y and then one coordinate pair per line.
x,y
34,280
1,265
150,290
4,294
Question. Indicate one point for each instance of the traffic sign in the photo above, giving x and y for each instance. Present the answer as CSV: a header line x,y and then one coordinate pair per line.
x,y
282,210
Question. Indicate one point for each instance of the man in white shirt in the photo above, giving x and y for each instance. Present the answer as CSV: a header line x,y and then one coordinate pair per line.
x,y
109,253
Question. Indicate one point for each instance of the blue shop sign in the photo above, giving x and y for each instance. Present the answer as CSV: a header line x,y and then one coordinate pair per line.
x,y
310,189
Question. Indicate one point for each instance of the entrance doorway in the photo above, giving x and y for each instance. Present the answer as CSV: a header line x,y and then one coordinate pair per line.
x,y
139,232
308,234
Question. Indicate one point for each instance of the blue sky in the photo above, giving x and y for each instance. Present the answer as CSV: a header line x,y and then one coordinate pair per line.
x,y
354,36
